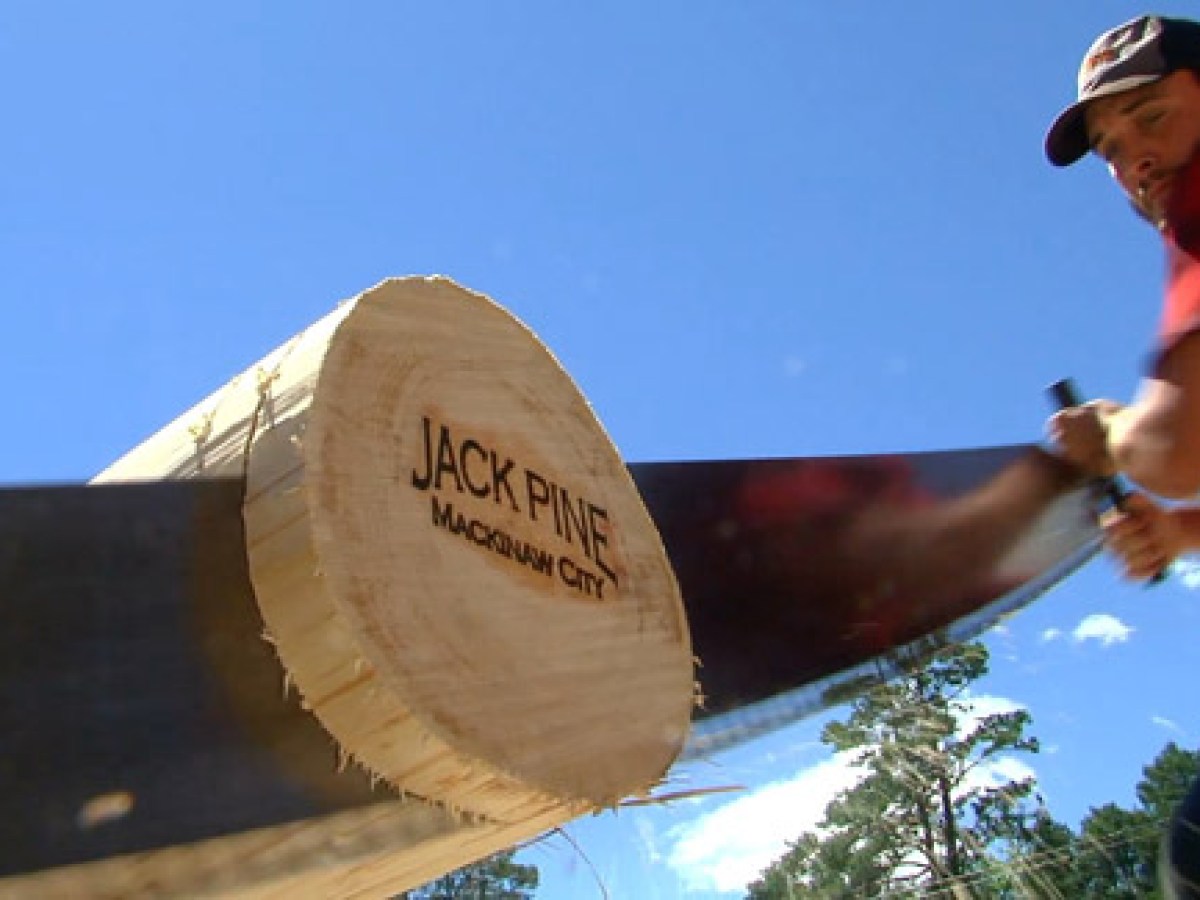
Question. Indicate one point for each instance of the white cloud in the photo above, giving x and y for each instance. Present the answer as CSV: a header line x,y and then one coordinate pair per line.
x,y
1001,770
727,848
1102,627
985,705
1188,571
774,756
1164,722
1051,634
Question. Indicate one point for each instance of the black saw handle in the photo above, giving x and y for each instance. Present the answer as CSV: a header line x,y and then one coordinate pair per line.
x,y
1065,394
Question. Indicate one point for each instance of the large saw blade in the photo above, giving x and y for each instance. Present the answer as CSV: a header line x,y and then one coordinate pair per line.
x,y
140,706
806,580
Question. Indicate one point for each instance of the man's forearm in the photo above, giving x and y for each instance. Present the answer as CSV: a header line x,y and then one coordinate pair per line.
x,y
1156,439
1142,447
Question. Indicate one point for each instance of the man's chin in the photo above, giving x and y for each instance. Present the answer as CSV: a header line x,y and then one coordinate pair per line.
x,y
1156,214
1150,212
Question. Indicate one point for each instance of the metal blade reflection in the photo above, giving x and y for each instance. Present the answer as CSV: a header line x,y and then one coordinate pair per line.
x,y
805,580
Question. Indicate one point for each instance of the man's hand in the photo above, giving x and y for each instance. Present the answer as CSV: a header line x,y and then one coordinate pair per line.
x,y
1145,536
1081,436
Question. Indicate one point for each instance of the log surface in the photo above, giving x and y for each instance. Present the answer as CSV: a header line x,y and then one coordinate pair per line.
x,y
392,457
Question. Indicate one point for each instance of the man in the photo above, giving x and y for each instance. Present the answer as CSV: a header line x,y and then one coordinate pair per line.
x,y
1138,109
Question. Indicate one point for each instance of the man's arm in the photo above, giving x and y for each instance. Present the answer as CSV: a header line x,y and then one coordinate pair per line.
x,y
1155,441
1148,537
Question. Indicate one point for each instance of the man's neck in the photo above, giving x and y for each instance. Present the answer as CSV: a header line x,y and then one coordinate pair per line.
x,y
1181,223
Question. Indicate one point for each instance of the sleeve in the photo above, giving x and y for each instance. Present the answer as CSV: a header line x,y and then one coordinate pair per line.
x,y
1181,237
1181,304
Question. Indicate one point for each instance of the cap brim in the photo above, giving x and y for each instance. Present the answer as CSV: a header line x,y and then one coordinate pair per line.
x,y
1067,140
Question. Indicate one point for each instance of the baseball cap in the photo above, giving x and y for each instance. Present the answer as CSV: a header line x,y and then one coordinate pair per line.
x,y
1135,53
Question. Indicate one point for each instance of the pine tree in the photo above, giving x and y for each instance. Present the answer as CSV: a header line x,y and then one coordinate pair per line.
x,y
1117,849
494,878
921,822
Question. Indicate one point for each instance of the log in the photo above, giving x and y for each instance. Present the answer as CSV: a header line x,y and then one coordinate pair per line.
x,y
449,565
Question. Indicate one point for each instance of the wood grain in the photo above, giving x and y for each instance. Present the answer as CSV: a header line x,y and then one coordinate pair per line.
x,y
458,577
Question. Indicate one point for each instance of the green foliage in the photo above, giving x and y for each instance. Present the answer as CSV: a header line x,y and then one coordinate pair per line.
x,y
494,878
919,825
1166,780
1117,849
1116,852
1043,865
920,820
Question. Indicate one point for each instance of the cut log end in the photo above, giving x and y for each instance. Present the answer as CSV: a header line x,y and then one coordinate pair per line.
x,y
494,625
461,585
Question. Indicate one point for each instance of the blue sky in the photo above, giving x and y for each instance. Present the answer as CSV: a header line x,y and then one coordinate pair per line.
x,y
745,228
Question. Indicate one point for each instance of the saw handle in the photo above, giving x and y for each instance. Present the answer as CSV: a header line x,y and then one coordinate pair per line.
x,y
1065,394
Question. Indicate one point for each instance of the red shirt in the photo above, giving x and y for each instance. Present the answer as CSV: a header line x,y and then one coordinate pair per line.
x,y
1181,238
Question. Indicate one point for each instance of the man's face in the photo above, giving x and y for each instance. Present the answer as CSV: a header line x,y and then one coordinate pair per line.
x,y
1147,135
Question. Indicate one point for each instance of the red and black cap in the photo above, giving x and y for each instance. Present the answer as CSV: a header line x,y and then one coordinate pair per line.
x,y
1136,53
